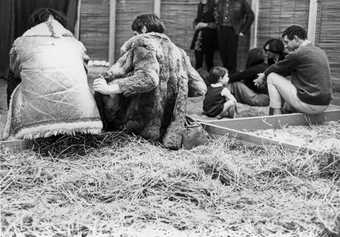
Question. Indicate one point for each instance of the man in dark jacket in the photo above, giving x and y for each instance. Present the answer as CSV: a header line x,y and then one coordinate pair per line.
x,y
308,88
233,19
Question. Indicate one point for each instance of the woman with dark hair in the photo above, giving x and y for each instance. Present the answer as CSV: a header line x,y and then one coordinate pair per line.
x,y
275,51
53,96
148,86
205,37
242,83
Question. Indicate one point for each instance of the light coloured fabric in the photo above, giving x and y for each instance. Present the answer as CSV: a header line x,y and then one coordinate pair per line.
x,y
281,89
54,96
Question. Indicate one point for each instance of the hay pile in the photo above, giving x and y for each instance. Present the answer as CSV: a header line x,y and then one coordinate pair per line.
x,y
118,185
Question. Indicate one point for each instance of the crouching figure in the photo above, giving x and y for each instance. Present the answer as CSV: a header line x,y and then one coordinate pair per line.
x,y
48,93
146,90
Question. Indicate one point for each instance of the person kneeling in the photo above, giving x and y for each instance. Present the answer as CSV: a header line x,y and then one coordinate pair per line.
x,y
218,101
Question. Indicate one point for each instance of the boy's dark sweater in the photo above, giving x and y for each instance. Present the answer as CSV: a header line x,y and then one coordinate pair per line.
x,y
310,74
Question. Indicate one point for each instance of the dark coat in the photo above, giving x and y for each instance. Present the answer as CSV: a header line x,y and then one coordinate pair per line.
x,y
241,15
206,38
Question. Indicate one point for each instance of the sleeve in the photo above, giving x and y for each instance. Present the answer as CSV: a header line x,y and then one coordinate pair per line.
x,y
199,14
84,55
197,86
283,67
120,68
14,63
248,17
247,75
145,74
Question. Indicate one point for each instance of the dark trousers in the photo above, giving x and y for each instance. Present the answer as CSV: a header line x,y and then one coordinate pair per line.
x,y
245,95
201,56
227,44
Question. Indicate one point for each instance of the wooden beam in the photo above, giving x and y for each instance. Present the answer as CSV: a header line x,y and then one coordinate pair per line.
x,y
157,7
112,31
77,25
312,18
16,145
276,121
253,30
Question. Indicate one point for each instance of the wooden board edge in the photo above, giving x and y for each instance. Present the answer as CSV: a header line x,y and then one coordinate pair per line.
x,y
247,138
276,121
16,145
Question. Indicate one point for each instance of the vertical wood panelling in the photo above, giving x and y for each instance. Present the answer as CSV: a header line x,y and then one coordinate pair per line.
x,y
94,28
276,15
126,12
328,32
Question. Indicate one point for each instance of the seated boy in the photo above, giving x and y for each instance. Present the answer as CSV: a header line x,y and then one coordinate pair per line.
x,y
218,101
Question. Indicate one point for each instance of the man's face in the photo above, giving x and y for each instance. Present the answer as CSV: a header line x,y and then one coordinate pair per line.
x,y
291,45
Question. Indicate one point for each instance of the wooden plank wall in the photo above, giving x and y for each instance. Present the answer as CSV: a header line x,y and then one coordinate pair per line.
x,y
94,28
178,17
126,12
328,34
276,15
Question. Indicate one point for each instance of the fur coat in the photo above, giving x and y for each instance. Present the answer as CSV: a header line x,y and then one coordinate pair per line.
x,y
155,77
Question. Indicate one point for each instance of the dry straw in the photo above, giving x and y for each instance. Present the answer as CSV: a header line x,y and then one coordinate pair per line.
x,y
120,185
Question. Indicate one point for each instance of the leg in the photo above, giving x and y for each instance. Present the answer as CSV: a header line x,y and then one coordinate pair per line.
x,y
280,88
229,110
198,59
228,43
246,95
209,59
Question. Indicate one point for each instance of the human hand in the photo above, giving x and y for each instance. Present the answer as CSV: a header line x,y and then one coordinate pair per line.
x,y
241,34
259,81
201,25
100,85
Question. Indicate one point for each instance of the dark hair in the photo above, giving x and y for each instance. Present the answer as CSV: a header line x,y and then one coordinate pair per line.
x,y
293,30
150,21
255,56
42,14
274,46
216,73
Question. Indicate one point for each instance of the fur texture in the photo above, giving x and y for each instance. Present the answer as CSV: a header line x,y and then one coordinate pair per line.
x,y
155,77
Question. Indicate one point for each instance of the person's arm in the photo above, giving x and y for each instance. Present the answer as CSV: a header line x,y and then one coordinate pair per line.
x,y
226,93
248,17
197,86
247,75
283,67
144,78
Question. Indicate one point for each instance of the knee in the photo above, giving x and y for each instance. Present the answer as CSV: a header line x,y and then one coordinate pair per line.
x,y
272,78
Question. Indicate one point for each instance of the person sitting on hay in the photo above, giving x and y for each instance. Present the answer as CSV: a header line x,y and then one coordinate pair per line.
x,y
145,92
48,91
301,79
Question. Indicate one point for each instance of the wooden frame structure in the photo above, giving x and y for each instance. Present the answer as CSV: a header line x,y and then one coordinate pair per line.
x,y
236,127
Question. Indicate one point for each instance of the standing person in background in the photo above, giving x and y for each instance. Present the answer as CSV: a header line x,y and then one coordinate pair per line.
x,y
233,19
205,38
301,79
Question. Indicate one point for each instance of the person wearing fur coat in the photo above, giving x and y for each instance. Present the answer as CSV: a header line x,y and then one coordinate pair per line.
x,y
145,92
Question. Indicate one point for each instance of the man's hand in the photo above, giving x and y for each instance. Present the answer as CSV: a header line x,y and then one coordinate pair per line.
x,y
241,34
259,81
100,85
